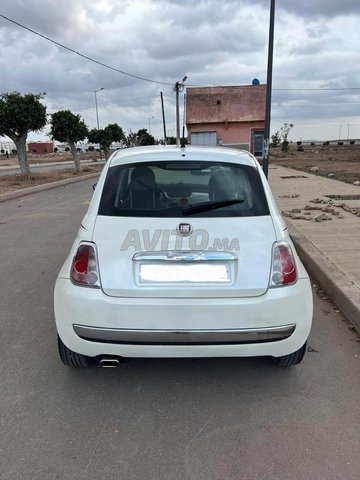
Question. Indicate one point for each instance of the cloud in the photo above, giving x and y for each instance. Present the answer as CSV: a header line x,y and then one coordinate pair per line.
x,y
310,8
212,42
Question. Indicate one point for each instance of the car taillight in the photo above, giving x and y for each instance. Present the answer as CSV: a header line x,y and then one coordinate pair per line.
x,y
84,269
283,270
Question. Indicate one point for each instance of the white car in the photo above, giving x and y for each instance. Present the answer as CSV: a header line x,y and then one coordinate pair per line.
x,y
182,253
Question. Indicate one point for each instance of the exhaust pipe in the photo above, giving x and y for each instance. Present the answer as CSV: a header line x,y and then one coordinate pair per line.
x,y
109,362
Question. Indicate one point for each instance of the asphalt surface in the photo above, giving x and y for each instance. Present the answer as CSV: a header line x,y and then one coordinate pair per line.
x,y
202,419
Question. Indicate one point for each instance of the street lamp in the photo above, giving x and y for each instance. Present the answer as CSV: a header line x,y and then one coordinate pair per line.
x,y
150,118
96,106
178,87
97,113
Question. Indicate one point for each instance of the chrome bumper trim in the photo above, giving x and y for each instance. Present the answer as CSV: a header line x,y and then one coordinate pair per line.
x,y
183,337
184,256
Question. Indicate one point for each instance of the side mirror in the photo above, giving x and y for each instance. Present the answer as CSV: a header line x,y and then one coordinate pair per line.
x,y
94,186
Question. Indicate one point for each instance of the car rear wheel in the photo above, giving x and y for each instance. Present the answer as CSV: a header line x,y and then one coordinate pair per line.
x,y
291,359
73,359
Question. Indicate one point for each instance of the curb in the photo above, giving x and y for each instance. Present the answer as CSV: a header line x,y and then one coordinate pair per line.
x,y
45,186
342,291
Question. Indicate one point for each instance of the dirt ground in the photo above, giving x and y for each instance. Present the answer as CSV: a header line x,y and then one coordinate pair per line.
x,y
10,183
341,162
50,158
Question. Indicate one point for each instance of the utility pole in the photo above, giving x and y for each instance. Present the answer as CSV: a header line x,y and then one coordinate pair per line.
x,y
163,116
183,125
268,90
178,87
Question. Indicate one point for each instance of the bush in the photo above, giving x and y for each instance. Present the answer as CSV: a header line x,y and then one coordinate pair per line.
x,y
91,148
326,143
67,149
298,143
13,151
340,143
78,150
280,138
312,144
285,146
2,151
56,150
352,142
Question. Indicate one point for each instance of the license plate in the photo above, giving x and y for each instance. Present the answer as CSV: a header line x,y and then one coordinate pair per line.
x,y
184,273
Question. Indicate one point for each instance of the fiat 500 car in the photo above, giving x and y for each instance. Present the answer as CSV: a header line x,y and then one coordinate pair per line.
x,y
182,253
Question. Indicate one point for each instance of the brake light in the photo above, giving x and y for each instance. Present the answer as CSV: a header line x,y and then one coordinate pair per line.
x,y
283,270
84,269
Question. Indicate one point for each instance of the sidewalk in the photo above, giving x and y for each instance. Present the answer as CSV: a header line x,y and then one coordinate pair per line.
x,y
330,245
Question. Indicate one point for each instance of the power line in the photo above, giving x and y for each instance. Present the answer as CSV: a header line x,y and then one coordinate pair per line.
x,y
90,105
321,105
84,56
316,89
102,64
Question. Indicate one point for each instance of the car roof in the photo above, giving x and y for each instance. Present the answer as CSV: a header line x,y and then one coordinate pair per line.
x,y
175,153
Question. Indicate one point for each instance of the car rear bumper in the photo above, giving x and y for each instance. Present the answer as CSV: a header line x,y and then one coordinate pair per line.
x,y
139,336
92,323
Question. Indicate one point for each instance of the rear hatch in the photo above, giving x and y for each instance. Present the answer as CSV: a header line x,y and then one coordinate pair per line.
x,y
138,261
184,228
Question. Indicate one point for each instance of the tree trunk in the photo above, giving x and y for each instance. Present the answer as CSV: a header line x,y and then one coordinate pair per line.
x,y
106,152
20,142
75,156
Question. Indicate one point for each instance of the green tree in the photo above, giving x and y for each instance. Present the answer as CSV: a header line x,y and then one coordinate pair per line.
x,y
69,127
280,138
106,136
19,115
141,138
171,140
144,138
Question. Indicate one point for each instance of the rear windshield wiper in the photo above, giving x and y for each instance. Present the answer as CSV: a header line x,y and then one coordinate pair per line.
x,y
206,207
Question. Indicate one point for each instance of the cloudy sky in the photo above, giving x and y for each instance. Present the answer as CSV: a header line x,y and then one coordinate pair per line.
x,y
316,77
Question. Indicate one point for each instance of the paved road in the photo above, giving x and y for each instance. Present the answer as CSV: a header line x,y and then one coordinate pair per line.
x,y
48,168
204,419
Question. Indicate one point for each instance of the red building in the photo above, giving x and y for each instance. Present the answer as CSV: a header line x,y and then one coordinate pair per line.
x,y
40,148
228,116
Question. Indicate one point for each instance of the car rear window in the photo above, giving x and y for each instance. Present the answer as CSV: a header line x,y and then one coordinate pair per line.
x,y
183,188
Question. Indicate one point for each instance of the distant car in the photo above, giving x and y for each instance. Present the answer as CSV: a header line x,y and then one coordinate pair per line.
x,y
182,253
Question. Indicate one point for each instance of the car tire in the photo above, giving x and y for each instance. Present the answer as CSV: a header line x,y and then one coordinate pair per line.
x,y
73,359
291,359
